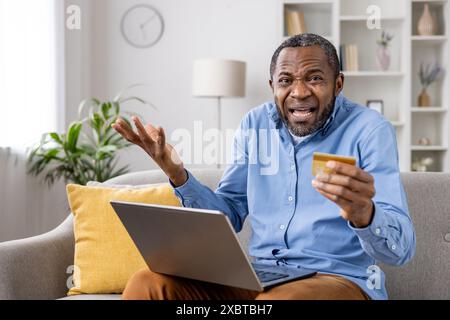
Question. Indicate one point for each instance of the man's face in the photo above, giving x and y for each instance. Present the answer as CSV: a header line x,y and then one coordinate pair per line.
x,y
305,88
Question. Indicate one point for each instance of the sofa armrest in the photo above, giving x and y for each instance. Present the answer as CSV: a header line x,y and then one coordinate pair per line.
x,y
36,268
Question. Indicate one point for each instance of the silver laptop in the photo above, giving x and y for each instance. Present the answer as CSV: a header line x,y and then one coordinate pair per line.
x,y
197,244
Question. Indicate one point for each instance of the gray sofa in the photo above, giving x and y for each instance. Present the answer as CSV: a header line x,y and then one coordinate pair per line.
x,y
37,268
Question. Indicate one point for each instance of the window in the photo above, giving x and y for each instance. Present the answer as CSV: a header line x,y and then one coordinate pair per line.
x,y
28,70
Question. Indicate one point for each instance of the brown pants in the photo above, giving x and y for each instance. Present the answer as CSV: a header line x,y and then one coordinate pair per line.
x,y
147,285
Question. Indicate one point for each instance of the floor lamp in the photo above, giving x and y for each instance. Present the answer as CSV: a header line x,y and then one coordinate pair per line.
x,y
218,78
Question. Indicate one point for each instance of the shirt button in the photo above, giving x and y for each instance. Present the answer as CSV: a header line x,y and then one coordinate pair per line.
x,y
378,231
293,167
282,227
291,199
394,247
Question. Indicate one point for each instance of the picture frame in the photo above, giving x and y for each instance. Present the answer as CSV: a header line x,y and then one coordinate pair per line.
x,y
377,105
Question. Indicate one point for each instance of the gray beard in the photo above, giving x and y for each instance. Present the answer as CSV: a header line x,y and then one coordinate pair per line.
x,y
302,131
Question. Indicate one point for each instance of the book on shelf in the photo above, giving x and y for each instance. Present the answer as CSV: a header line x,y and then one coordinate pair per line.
x,y
295,22
349,57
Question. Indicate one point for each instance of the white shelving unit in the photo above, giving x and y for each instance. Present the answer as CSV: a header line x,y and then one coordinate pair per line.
x,y
428,110
428,148
363,18
429,39
345,22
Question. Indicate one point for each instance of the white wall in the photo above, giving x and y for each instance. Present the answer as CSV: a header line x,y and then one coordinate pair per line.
x,y
235,29
78,60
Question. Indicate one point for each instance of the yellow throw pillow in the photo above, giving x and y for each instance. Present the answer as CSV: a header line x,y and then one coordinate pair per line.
x,y
105,255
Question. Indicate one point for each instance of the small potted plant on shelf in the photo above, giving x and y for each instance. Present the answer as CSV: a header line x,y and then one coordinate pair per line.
x,y
427,75
383,56
88,150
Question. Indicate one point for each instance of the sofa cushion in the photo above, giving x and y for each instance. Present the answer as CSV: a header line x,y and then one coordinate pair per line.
x,y
427,276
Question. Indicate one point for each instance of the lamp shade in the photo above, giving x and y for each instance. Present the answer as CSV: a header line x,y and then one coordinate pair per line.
x,y
219,78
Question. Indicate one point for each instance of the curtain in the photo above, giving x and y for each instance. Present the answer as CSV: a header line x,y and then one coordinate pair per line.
x,y
30,90
27,206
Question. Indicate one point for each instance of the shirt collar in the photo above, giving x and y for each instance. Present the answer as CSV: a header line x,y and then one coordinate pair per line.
x,y
275,115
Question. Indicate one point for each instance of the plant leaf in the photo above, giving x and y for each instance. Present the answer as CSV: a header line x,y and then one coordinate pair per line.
x,y
93,102
56,138
106,107
51,154
128,99
121,93
73,135
116,108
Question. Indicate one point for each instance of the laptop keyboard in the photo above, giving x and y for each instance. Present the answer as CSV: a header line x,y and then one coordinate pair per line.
x,y
266,276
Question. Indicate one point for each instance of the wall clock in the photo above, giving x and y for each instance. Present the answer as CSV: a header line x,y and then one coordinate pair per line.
x,y
142,26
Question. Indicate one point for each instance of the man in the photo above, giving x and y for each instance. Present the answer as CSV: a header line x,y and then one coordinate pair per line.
x,y
339,224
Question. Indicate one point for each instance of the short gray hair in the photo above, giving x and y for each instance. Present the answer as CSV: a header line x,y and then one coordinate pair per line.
x,y
308,40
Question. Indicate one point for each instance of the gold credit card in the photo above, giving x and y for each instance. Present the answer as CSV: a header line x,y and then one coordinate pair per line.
x,y
320,161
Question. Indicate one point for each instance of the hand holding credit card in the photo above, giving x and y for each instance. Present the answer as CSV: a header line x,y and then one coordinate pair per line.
x,y
350,187
320,161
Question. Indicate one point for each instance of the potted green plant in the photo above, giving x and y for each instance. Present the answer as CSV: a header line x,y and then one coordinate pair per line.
x,y
88,150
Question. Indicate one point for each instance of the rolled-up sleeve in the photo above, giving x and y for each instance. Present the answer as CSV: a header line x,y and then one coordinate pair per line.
x,y
390,238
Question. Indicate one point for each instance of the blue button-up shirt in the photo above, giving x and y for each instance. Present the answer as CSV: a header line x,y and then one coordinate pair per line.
x,y
269,182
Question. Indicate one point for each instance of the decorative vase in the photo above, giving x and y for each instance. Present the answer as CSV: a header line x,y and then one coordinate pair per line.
x,y
425,27
424,99
383,58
